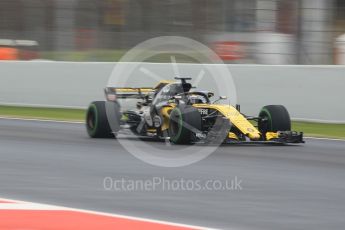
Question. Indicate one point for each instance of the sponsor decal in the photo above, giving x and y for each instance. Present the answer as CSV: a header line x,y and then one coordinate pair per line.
x,y
203,111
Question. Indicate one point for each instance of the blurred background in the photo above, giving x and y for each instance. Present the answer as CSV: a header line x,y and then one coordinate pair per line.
x,y
239,31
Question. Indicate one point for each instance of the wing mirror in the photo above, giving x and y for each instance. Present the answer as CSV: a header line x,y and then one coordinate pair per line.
x,y
220,98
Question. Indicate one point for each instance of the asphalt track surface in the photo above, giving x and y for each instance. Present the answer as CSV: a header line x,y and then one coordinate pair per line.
x,y
283,187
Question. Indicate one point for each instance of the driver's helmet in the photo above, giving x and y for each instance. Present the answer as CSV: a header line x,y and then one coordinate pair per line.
x,y
196,99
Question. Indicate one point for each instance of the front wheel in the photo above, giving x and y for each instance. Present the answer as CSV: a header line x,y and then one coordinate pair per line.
x,y
274,118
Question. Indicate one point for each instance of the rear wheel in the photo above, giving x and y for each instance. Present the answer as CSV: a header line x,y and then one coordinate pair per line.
x,y
274,118
184,122
97,125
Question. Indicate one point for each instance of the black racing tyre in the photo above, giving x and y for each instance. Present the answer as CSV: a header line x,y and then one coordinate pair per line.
x,y
97,125
184,121
275,118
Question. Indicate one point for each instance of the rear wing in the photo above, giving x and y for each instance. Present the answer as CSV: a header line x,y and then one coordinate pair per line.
x,y
113,93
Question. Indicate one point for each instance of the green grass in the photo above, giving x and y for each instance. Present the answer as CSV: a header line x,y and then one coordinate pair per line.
x,y
43,113
115,56
320,129
90,55
310,129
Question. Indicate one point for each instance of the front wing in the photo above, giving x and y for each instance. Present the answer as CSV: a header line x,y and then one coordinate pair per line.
x,y
286,137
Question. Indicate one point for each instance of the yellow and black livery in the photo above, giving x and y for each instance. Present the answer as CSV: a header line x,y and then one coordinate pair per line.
x,y
174,110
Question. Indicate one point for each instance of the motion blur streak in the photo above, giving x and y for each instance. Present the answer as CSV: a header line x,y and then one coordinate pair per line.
x,y
240,31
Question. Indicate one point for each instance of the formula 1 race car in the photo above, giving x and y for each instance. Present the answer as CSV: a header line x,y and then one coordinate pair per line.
x,y
173,110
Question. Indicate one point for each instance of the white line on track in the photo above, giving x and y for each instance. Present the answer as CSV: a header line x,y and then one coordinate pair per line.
x,y
324,138
81,122
25,205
